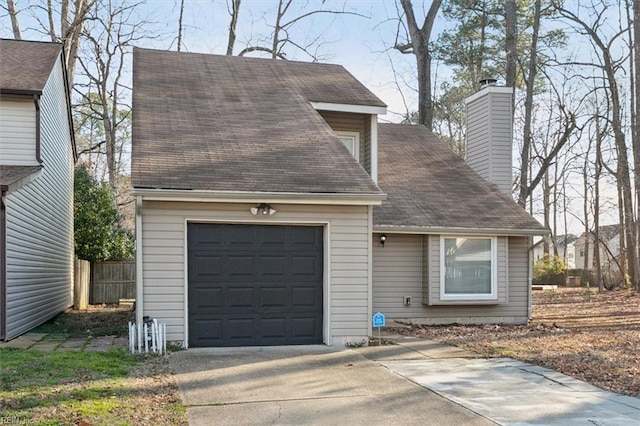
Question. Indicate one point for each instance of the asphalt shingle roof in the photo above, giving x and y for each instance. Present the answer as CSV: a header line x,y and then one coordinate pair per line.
x,y
26,65
429,186
220,123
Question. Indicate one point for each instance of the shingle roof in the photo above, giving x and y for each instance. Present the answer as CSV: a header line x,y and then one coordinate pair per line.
x,y
26,65
209,122
12,174
428,186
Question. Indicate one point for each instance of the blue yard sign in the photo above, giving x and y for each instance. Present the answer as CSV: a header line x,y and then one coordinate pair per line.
x,y
378,320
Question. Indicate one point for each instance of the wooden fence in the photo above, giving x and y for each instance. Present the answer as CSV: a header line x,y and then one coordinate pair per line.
x,y
112,280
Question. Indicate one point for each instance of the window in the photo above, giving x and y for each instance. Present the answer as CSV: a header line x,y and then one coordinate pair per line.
x,y
468,268
352,141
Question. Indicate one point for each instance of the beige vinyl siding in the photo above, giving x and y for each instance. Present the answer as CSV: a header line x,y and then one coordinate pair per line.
x,y
365,149
489,137
398,272
40,223
163,239
17,132
352,122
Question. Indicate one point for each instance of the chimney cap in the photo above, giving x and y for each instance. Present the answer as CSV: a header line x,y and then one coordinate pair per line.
x,y
487,82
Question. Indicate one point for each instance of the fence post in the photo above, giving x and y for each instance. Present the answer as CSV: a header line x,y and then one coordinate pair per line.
x,y
81,285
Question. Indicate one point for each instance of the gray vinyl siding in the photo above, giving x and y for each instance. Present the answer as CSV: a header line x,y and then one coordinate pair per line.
x,y
39,223
352,122
489,137
163,248
399,270
17,132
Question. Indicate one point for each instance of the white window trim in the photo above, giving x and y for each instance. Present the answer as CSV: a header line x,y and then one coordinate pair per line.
x,y
494,272
356,143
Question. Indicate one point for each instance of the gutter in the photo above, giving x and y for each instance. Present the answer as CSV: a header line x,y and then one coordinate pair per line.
x,y
257,197
501,232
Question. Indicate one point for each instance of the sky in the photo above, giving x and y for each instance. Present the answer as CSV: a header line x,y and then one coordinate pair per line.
x,y
361,41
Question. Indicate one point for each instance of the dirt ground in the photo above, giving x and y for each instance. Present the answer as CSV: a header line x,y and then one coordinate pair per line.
x,y
593,337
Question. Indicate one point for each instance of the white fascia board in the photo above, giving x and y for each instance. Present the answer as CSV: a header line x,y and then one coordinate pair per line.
x,y
487,90
258,197
359,109
458,231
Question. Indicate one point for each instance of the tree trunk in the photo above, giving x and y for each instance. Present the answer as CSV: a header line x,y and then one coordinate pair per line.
x,y
419,46
180,25
635,110
525,187
235,11
511,41
15,26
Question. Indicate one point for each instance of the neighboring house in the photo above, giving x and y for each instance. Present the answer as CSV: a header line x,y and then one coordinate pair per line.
x,y
273,208
609,236
37,154
566,249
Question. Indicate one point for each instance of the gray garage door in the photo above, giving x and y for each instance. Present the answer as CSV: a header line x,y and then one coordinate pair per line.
x,y
254,285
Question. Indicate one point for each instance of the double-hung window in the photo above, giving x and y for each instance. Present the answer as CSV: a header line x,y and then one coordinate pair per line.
x,y
352,141
468,268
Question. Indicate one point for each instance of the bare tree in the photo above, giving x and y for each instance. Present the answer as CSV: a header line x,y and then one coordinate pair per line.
x,y
417,43
281,38
609,67
527,187
114,28
15,26
180,25
511,40
234,12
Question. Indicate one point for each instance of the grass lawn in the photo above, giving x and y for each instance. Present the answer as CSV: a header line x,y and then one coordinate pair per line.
x,y
90,388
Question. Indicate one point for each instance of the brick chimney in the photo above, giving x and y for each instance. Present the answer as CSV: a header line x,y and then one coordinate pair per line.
x,y
490,133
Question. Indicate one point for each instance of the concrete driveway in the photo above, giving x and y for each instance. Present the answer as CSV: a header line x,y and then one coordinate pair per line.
x,y
296,385
415,382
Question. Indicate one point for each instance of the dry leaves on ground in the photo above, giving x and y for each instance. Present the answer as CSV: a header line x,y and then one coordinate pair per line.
x,y
593,337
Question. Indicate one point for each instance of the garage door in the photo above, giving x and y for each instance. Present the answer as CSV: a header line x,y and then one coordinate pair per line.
x,y
254,285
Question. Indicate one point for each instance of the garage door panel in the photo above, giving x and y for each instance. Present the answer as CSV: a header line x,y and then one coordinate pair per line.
x,y
305,327
273,297
240,297
208,298
255,285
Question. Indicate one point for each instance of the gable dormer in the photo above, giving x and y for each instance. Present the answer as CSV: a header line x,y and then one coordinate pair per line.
x,y
357,127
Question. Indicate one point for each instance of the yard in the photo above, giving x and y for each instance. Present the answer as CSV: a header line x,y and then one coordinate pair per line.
x,y
593,337
87,388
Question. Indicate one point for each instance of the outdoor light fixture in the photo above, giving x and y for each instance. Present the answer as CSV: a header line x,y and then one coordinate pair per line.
x,y
263,208
383,239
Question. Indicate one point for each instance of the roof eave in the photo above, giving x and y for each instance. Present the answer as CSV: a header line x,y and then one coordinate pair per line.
x,y
359,109
187,195
399,229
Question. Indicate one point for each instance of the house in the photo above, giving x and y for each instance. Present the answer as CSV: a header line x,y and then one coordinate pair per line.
x,y
37,154
565,246
272,208
609,236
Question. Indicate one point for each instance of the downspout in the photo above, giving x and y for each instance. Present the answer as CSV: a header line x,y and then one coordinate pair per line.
x,y
370,270
139,275
36,101
3,264
529,277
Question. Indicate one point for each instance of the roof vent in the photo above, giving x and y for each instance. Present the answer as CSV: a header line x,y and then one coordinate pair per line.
x,y
487,82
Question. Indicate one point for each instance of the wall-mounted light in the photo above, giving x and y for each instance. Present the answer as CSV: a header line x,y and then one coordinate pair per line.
x,y
383,239
264,209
